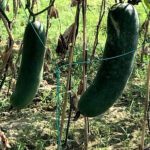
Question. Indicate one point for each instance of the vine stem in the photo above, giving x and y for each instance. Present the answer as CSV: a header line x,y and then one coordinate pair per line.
x,y
84,8
40,12
145,107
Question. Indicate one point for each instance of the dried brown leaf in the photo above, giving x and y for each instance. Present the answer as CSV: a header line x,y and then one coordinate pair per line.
x,y
74,101
61,46
53,12
65,40
68,34
80,88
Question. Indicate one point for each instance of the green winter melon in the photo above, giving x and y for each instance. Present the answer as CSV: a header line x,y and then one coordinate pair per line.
x,y
112,76
31,68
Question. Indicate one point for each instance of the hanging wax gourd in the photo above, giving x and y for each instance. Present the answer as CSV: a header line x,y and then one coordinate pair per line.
x,y
112,76
31,65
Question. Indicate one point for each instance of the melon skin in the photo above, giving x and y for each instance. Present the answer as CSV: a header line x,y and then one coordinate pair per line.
x,y
113,74
3,4
31,69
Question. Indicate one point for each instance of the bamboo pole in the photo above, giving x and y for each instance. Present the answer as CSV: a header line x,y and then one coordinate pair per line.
x,y
71,49
84,7
145,107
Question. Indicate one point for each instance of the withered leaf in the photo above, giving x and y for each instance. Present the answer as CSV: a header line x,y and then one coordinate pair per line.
x,y
53,12
80,88
74,101
65,40
61,46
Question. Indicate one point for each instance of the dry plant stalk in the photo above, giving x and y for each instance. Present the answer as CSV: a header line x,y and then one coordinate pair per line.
x,y
48,51
147,87
147,100
68,84
15,8
101,15
71,48
50,14
145,36
8,51
84,8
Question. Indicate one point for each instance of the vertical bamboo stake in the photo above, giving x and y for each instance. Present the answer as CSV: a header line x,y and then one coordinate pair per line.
x,y
71,49
64,106
145,107
84,7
